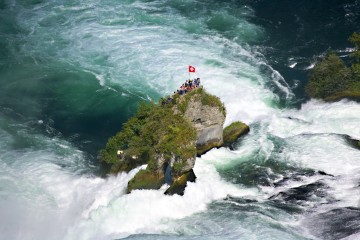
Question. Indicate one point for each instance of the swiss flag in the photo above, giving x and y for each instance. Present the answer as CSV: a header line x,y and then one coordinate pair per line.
x,y
191,69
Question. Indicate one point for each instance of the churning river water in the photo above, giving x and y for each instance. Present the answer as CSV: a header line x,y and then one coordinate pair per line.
x,y
72,71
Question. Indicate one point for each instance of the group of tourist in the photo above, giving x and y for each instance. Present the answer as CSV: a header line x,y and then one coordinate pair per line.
x,y
184,88
189,85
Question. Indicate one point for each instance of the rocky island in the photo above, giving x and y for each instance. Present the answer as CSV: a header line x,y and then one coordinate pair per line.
x,y
167,137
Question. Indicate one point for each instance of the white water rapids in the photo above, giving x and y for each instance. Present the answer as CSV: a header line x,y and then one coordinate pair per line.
x,y
48,189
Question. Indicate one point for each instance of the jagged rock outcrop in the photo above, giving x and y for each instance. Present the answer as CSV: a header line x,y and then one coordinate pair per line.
x,y
168,137
208,122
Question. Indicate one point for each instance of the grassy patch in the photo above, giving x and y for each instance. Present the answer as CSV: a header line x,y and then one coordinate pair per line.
x,y
207,99
154,130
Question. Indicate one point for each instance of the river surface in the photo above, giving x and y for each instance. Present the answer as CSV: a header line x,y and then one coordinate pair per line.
x,y
72,71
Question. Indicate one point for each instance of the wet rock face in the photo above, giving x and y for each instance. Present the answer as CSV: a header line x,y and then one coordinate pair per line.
x,y
208,122
179,184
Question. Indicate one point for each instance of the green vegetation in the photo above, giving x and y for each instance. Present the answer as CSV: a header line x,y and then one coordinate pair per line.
x,y
154,130
178,167
355,39
329,77
234,131
332,80
158,135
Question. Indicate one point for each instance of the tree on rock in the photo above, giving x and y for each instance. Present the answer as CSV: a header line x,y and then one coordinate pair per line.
x,y
328,77
355,39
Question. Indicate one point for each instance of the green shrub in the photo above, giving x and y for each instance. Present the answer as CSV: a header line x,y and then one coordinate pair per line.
x,y
178,167
355,39
329,77
154,129
200,94
332,80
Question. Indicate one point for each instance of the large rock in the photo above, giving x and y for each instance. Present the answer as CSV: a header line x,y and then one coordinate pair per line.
x,y
167,137
208,121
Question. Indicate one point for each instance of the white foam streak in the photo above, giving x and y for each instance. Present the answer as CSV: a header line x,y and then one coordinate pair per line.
x,y
311,66
237,98
316,117
327,153
292,65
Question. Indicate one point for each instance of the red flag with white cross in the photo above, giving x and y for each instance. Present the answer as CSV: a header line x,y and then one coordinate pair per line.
x,y
191,69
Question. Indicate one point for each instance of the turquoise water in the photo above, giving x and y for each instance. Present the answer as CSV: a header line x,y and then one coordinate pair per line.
x,y
71,72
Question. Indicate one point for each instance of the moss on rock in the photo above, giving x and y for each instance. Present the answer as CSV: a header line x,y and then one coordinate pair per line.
x,y
154,130
182,101
167,137
234,131
179,184
145,179
201,149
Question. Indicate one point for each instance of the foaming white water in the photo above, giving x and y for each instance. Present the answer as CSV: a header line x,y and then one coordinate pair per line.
x,y
341,117
311,66
149,211
134,46
310,138
42,193
328,153
45,195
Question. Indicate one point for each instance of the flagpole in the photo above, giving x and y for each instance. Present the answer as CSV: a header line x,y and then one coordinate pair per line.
x,y
189,72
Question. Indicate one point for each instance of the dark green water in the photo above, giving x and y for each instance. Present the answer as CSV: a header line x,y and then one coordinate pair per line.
x,y
71,72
